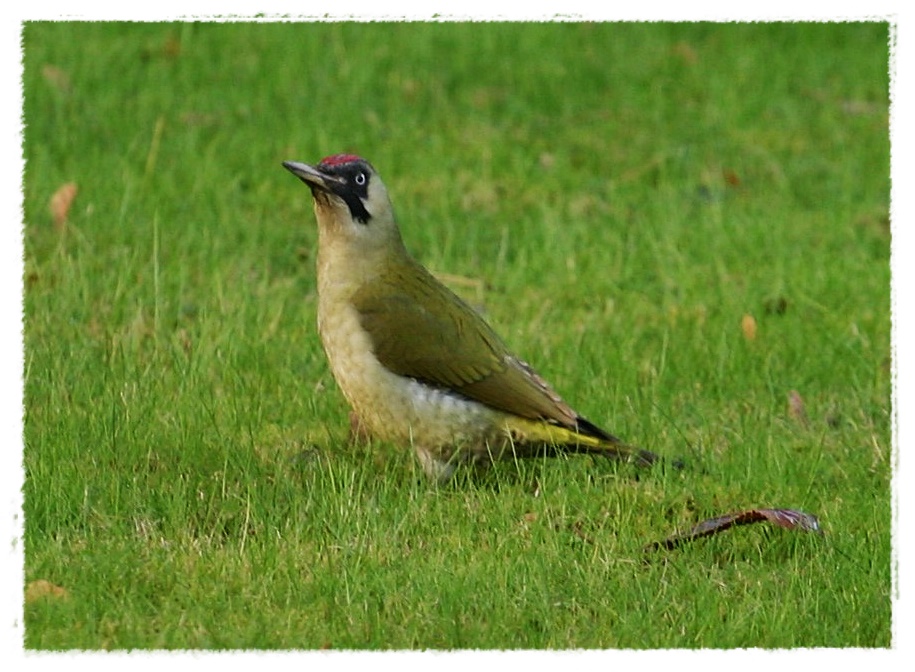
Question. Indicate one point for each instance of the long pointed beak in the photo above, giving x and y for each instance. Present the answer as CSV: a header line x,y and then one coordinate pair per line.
x,y
312,176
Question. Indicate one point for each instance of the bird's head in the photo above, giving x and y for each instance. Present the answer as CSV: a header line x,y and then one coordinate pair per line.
x,y
350,198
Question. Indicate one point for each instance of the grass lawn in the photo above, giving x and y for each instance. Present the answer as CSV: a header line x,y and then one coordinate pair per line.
x,y
682,227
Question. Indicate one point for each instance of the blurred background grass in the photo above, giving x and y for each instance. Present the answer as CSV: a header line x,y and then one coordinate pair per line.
x,y
676,224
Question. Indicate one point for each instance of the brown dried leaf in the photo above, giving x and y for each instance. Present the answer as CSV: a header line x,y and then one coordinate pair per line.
x,y
796,410
685,52
748,325
172,47
790,519
56,77
60,204
42,588
731,177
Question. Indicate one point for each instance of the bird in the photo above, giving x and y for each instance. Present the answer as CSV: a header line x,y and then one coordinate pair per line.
x,y
417,365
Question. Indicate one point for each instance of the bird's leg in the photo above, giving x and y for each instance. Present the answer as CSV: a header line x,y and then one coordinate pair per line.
x,y
358,434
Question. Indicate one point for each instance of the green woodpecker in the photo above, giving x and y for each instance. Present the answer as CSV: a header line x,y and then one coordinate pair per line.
x,y
417,365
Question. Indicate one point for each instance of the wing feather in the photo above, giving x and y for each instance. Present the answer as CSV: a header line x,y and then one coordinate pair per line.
x,y
420,329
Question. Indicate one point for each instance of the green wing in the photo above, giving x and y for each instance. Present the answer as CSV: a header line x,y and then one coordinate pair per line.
x,y
420,329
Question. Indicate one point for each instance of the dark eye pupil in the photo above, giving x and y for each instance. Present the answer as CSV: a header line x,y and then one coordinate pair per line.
x,y
360,179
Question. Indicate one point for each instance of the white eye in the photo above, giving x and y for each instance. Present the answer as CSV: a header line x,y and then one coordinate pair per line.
x,y
360,179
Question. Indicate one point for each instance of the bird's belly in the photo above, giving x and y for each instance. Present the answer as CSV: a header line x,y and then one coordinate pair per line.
x,y
398,408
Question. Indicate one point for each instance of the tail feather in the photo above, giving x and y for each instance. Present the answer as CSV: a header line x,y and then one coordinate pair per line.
x,y
612,447
590,429
536,437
